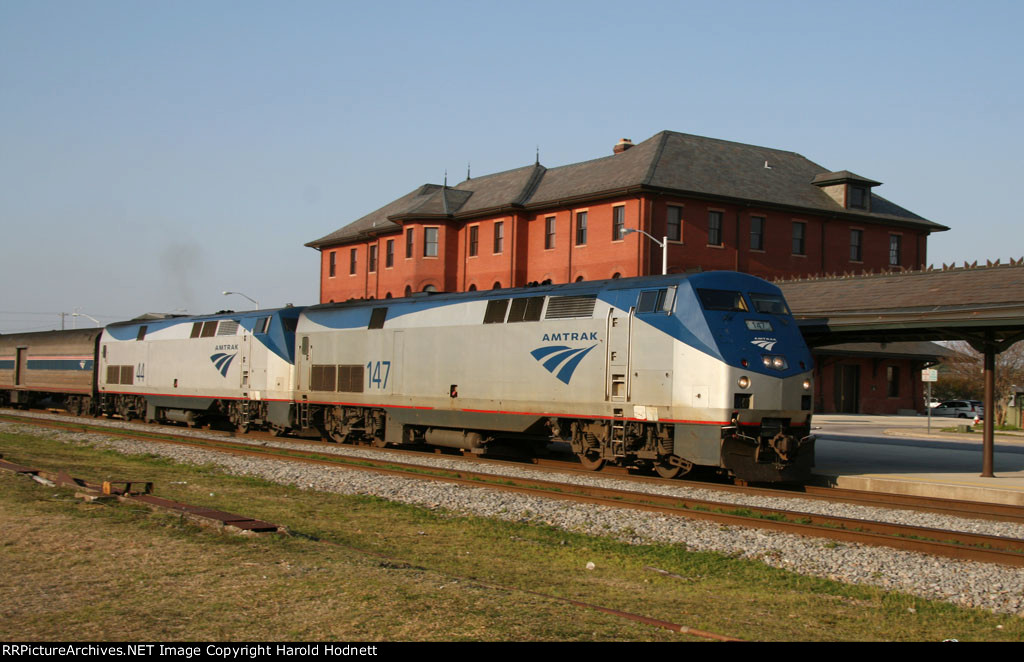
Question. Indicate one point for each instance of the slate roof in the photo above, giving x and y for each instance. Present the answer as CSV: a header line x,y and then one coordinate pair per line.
x,y
687,165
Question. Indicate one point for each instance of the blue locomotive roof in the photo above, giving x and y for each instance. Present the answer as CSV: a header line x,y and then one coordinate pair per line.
x,y
721,334
279,338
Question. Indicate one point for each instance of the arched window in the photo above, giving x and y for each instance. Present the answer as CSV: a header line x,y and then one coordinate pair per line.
x,y
472,288
616,275
430,288
408,291
579,279
387,295
497,285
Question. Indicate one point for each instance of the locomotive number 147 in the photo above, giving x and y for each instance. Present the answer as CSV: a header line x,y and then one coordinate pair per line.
x,y
374,372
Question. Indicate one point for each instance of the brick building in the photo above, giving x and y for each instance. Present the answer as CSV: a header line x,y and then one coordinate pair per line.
x,y
722,205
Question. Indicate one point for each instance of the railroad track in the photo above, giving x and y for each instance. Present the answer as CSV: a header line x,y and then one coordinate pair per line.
x,y
953,544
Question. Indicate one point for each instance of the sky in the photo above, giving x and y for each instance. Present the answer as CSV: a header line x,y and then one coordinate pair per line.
x,y
155,154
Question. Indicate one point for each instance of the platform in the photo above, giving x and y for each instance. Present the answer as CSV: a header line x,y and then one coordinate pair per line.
x,y
897,454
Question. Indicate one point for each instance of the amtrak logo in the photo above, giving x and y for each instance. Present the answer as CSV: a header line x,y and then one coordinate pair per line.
x,y
223,361
561,358
764,343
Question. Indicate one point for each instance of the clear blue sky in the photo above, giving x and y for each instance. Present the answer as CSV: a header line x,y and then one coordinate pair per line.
x,y
154,154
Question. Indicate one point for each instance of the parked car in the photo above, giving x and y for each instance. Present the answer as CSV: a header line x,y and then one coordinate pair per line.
x,y
960,409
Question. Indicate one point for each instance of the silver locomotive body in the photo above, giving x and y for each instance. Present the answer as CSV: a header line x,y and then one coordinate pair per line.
x,y
663,372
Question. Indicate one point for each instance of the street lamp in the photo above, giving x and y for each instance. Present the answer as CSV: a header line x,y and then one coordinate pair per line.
x,y
663,243
77,314
244,295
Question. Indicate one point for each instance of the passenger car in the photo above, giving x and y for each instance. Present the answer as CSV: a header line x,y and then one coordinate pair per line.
x,y
960,409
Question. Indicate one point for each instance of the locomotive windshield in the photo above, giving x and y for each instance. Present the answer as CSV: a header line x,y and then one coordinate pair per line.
x,y
726,300
772,304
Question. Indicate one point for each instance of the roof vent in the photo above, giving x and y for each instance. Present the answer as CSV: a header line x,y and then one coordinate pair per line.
x,y
622,146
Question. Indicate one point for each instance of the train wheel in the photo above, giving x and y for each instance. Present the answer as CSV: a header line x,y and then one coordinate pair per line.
x,y
666,470
590,461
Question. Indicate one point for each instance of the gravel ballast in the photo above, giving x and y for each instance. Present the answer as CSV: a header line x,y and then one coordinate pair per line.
x,y
970,584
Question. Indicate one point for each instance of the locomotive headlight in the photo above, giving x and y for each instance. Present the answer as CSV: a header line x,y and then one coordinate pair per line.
x,y
743,382
807,385
778,363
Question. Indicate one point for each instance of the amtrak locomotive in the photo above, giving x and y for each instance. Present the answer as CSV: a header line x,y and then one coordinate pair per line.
x,y
660,372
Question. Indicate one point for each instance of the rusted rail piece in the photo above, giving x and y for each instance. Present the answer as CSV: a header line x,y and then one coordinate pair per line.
x,y
136,491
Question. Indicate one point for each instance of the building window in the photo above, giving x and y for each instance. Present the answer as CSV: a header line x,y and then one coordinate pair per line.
x,y
894,250
372,262
352,262
333,264
714,228
892,376
799,233
674,224
757,224
499,236
429,242
474,240
389,254
618,223
856,245
408,242
549,232
581,228
858,197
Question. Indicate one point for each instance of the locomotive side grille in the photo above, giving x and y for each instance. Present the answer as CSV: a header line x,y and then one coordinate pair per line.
x,y
113,374
350,378
322,377
570,307
127,374
227,328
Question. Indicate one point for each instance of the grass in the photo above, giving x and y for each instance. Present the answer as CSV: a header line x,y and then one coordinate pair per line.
x,y
368,569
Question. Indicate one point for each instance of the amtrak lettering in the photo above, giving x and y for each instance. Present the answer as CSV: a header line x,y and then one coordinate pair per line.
x,y
225,348
567,337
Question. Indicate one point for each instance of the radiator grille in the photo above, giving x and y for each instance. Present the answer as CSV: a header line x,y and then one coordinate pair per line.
x,y
570,307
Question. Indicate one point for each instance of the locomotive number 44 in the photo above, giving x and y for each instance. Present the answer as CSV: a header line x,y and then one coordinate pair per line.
x,y
373,374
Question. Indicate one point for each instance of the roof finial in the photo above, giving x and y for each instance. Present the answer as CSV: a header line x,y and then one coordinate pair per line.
x,y
467,171
446,177
537,162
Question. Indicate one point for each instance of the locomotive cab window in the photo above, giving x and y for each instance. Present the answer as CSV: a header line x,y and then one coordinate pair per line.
x,y
769,303
656,301
262,325
726,300
142,332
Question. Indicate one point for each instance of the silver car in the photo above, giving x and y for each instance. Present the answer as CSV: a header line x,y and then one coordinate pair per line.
x,y
960,409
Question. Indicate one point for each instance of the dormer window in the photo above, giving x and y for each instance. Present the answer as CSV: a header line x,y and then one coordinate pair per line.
x,y
858,197
849,190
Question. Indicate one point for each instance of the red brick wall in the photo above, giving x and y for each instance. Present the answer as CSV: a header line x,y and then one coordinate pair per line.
x,y
872,395
524,258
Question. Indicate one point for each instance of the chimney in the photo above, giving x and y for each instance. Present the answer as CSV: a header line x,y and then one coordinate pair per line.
x,y
622,146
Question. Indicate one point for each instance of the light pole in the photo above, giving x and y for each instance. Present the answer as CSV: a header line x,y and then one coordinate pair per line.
x,y
77,314
225,293
663,243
